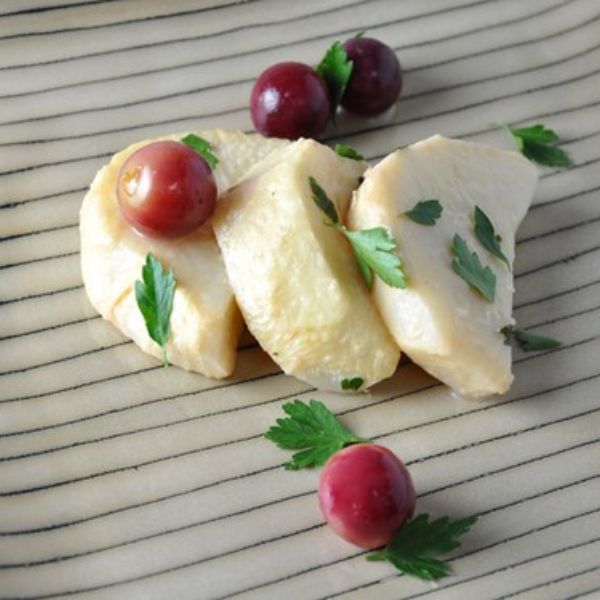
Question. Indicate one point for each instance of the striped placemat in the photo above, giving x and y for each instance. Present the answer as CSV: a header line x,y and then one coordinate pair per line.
x,y
121,479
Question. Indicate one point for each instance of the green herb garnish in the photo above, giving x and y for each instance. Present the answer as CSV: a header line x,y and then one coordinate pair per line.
x,y
323,202
313,430
467,265
348,152
203,147
528,340
335,68
154,296
352,384
425,212
413,548
539,145
373,248
486,234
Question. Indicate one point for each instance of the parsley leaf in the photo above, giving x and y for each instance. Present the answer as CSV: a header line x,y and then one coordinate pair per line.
x,y
154,296
373,248
539,145
467,265
352,384
203,147
314,430
528,340
486,234
425,212
323,202
413,548
374,252
348,152
335,69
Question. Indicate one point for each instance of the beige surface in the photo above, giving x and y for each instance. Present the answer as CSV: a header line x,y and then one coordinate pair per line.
x,y
131,481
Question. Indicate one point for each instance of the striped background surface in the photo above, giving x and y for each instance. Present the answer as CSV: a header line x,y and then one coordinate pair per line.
x,y
120,479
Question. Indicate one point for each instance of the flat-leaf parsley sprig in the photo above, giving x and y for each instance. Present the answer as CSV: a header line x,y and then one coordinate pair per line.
x,y
467,265
374,249
425,212
154,296
414,548
335,68
203,147
348,152
486,234
313,430
529,341
538,144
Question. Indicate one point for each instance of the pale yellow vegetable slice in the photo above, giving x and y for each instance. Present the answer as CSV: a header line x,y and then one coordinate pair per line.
x,y
438,320
296,279
205,323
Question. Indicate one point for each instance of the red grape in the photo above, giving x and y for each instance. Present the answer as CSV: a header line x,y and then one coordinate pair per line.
x,y
166,189
376,78
290,100
366,494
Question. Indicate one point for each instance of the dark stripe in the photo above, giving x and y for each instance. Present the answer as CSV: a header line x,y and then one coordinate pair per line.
x,y
539,205
557,295
586,593
49,328
576,166
37,260
522,463
41,9
126,22
56,163
17,236
565,259
558,579
570,227
66,358
110,378
88,352
41,295
45,197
